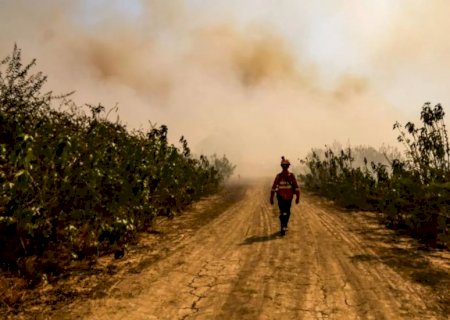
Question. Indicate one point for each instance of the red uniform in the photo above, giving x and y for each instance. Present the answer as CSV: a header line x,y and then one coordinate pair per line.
x,y
285,185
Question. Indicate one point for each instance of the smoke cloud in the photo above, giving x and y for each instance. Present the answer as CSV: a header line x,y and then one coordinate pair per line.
x,y
234,88
412,56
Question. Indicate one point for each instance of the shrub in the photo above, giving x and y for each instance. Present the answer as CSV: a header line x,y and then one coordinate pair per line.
x,y
78,185
411,192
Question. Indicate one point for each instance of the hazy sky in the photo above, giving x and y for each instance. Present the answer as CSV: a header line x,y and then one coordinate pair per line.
x,y
254,79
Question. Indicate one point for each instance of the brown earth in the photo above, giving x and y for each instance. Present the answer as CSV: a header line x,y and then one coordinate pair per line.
x,y
224,259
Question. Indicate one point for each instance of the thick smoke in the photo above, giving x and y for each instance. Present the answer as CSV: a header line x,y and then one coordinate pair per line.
x,y
413,54
229,88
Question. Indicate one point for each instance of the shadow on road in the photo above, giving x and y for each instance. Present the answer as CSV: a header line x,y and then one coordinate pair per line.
x,y
411,261
254,239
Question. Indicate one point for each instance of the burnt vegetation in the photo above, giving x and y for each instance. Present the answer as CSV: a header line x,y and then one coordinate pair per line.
x,y
74,185
412,192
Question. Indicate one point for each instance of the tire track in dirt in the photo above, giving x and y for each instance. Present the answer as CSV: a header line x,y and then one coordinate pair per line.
x,y
237,267
191,282
355,290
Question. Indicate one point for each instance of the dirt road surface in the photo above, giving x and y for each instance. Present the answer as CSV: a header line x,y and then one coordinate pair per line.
x,y
331,265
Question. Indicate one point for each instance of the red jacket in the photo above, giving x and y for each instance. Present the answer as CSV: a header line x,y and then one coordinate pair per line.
x,y
285,185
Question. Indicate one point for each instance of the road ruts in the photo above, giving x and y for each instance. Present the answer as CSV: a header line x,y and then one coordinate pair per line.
x,y
345,289
237,267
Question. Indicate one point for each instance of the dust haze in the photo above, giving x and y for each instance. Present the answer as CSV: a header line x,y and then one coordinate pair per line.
x,y
240,89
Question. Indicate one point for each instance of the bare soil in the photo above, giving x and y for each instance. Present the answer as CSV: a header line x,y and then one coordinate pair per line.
x,y
224,259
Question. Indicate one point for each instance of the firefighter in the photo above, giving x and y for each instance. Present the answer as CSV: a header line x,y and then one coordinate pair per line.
x,y
285,186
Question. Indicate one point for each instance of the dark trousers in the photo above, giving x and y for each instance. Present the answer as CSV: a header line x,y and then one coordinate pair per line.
x,y
285,211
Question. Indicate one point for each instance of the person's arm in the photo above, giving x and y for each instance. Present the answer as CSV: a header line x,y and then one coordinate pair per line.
x,y
274,188
296,189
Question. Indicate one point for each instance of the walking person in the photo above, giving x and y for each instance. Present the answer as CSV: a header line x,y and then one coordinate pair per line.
x,y
285,186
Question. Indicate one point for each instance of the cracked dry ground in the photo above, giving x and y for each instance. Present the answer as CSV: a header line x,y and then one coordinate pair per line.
x,y
331,265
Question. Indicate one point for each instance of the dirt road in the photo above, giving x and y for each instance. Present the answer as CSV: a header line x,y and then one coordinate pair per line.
x,y
331,265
